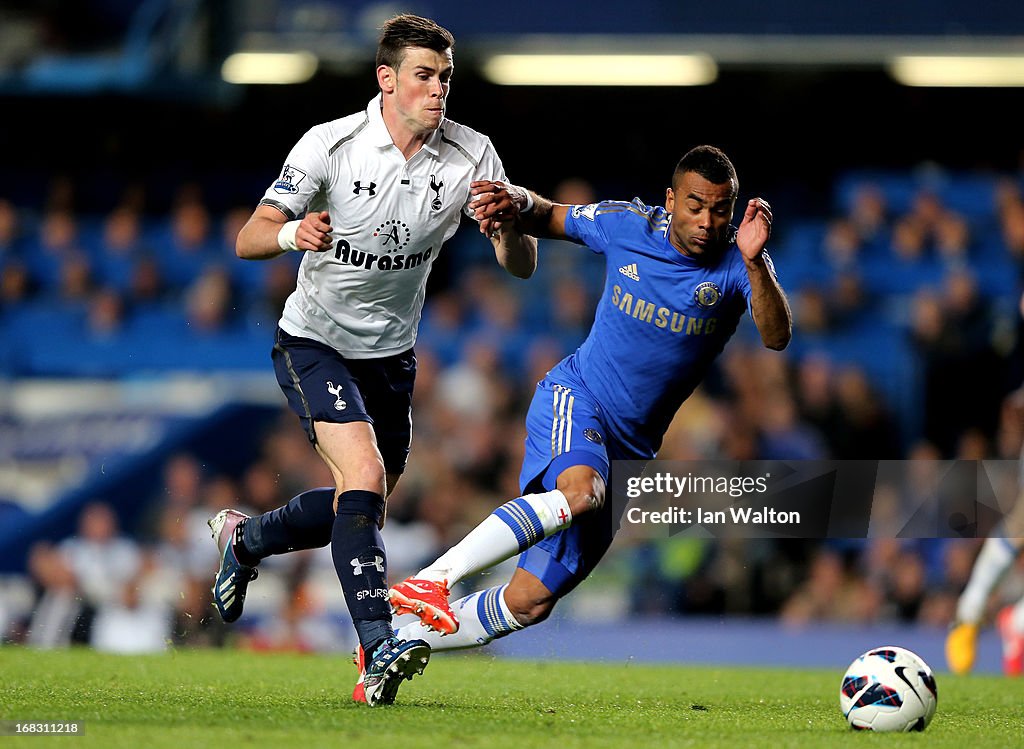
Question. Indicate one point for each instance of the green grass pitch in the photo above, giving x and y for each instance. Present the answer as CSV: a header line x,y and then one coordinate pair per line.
x,y
235,699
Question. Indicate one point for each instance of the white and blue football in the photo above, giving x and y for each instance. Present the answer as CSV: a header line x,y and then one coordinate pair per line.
x,y
888,689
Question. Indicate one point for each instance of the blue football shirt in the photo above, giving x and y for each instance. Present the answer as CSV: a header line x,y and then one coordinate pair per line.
x,y
662,319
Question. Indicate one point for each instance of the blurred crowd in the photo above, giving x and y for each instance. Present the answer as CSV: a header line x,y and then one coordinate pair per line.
x,y
103,273
907,345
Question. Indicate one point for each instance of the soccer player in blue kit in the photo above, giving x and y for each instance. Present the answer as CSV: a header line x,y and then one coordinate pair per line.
x,y
678,280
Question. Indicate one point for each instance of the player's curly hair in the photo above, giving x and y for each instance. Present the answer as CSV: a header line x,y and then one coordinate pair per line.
x,y
710,163
406,30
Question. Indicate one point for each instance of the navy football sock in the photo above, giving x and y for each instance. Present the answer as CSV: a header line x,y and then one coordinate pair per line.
x,y
361,564
305,522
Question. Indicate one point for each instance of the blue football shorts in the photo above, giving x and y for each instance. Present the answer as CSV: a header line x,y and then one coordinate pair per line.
x,y
322,385
564,428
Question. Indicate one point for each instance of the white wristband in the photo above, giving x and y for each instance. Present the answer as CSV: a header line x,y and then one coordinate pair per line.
x,y
286,237
529,202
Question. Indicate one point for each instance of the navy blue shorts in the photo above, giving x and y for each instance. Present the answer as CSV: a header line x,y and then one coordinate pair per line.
x,y
322,385
564,428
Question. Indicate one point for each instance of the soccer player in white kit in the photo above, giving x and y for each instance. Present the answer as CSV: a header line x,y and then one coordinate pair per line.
x,y
996,557
369,198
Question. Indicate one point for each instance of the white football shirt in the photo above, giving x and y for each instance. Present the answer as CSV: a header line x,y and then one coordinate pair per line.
x,y
390,217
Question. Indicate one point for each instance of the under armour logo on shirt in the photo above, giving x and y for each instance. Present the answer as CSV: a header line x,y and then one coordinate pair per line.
x,y
372,188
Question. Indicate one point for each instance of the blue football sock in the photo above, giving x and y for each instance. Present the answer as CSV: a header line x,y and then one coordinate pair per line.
x,y
361,564
306,522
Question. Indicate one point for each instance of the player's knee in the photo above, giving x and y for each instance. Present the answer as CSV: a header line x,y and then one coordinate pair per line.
x,y
584,491
367,476
527,608
586,500
532,613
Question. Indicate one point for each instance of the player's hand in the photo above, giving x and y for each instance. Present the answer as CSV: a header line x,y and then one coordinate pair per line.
x,y
314,233
495,203
755,229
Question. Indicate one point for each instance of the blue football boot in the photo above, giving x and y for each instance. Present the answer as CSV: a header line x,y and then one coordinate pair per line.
x,y
233,577
393,662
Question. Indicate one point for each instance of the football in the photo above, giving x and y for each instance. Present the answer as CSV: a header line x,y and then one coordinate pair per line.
x,y
888,689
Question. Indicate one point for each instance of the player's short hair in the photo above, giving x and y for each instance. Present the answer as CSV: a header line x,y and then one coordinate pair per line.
x,y
710,163
406,30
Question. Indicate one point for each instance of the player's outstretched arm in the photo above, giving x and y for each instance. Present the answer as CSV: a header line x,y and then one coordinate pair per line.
x,y
516,252
768,301
547,219
496,206
268,233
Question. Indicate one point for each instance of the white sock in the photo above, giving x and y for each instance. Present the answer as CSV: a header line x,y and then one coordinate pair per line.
x,y
509,530
1017,618
995,557
483,616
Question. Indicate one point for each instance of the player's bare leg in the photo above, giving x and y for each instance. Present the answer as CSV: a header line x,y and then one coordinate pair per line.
x,y
350,450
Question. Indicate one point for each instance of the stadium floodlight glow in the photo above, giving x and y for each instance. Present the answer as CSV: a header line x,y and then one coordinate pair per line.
x,y
269,67
979,71
600,70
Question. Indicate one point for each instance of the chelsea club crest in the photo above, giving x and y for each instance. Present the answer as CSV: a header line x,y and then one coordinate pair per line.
x,y
707,295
